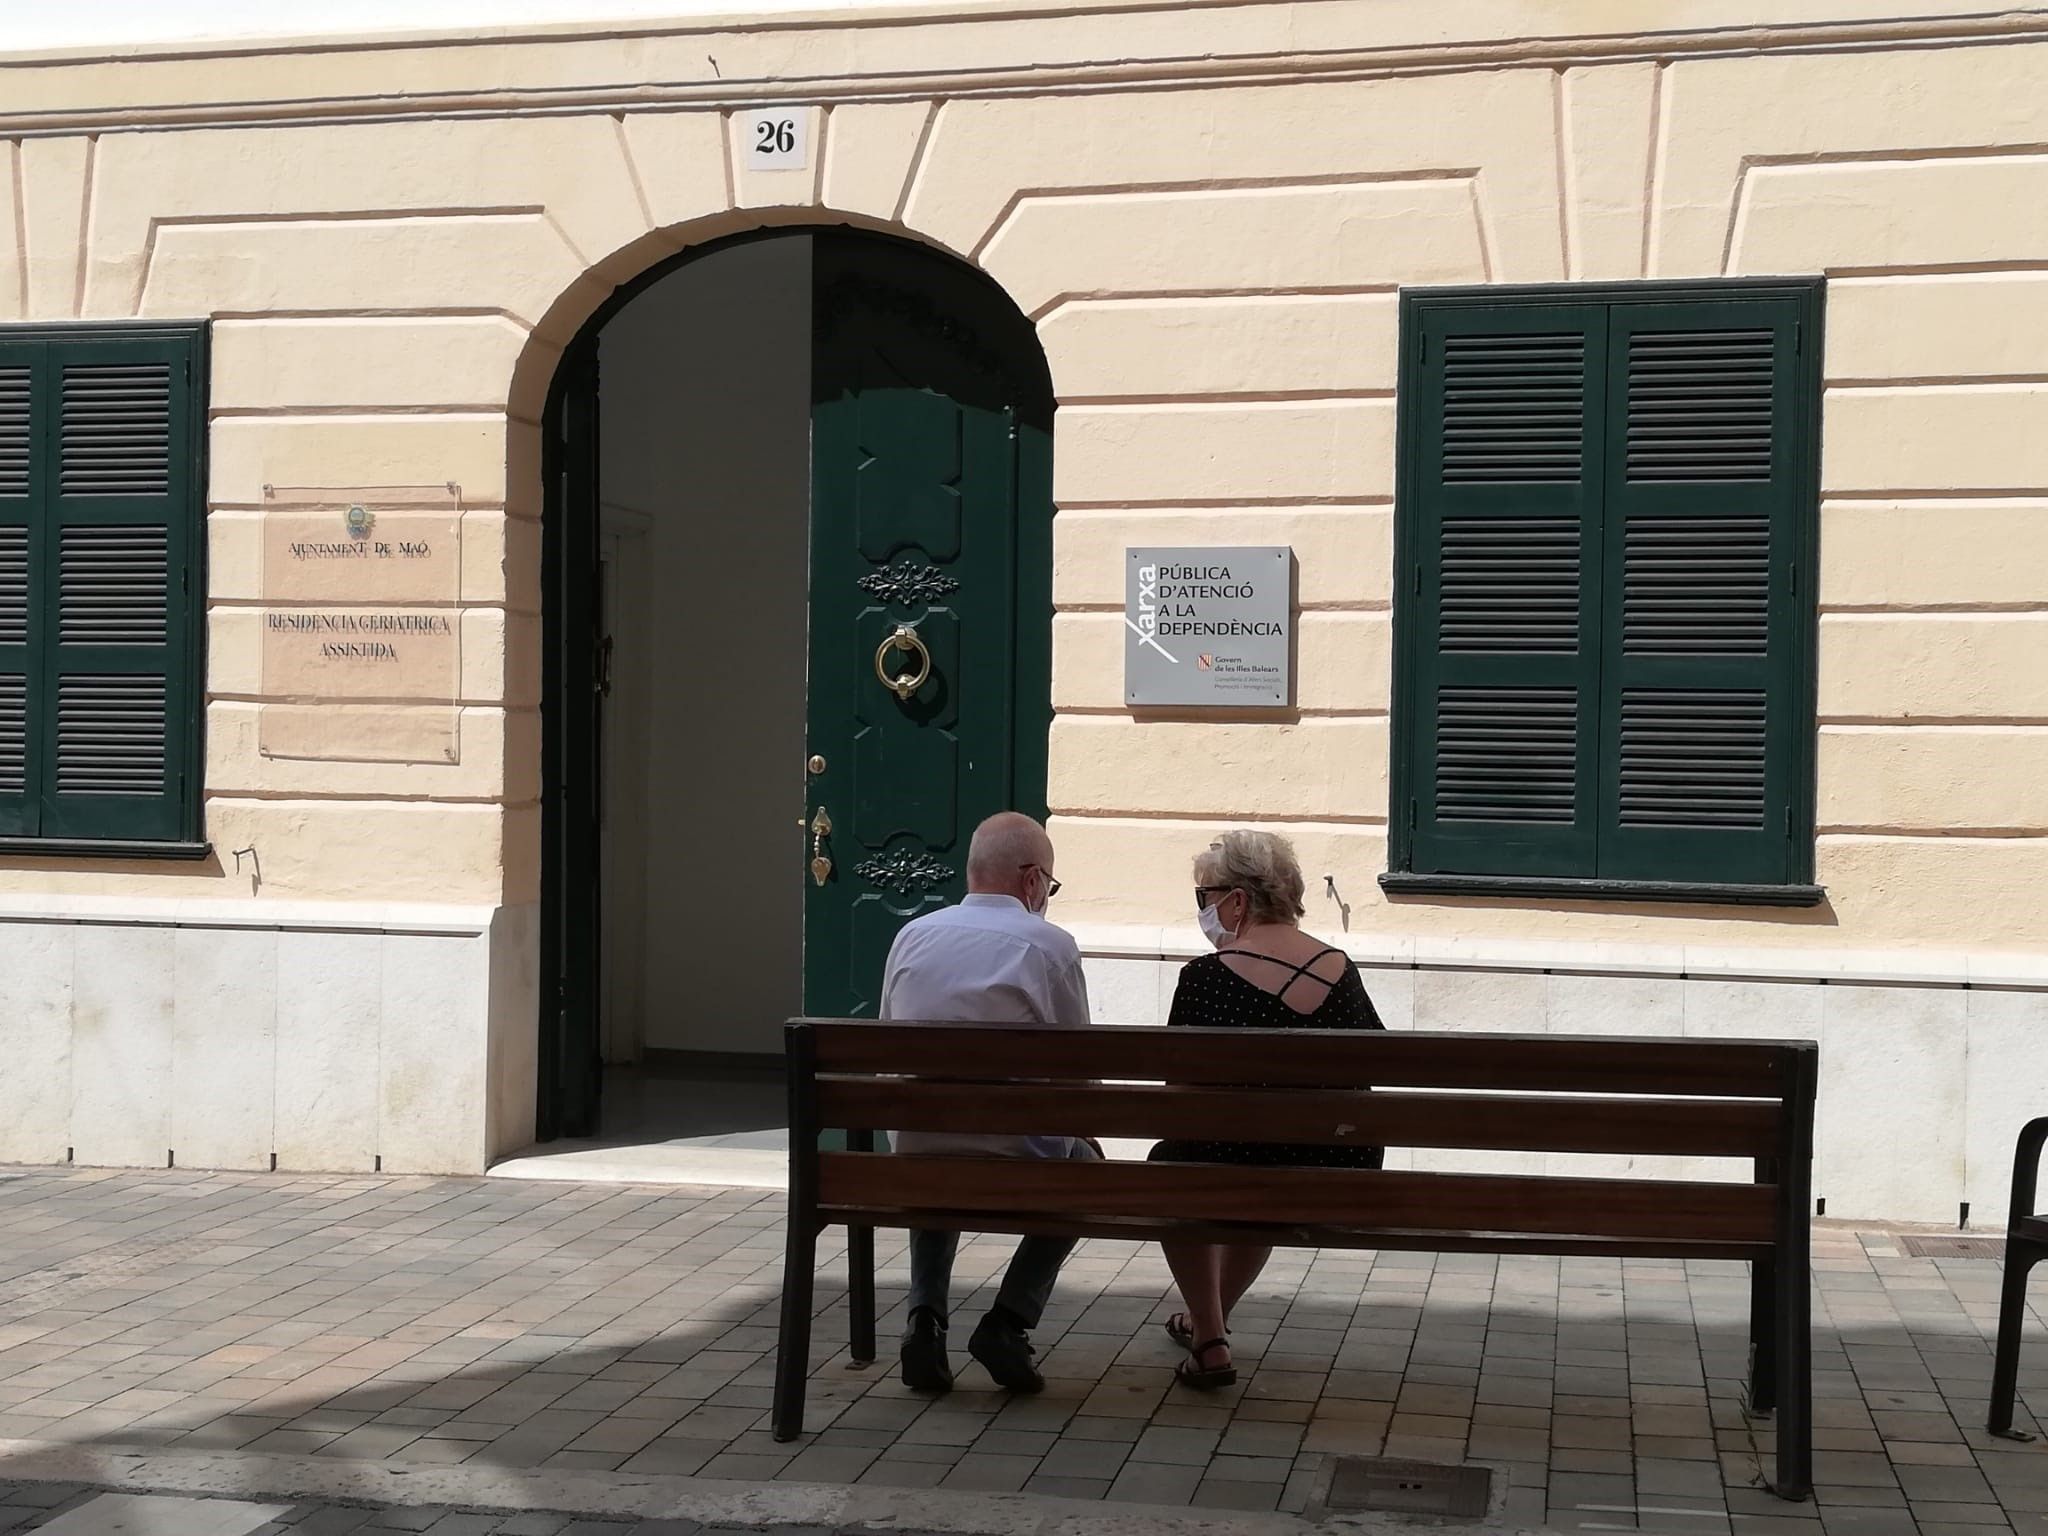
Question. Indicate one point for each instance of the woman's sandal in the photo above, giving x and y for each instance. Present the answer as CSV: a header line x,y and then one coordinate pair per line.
x,y
1192,1373
1181,1329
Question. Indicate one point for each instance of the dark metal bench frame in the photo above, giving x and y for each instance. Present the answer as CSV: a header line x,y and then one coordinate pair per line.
x,y
2026,1244
1750,1099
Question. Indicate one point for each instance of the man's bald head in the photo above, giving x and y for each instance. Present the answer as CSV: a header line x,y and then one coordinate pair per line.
x,y
1004,847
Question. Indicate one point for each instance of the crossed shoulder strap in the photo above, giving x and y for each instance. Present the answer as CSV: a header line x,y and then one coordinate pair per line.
x,y
1299,970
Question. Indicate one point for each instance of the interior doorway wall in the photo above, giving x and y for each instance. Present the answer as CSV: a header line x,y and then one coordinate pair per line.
x,y
704,461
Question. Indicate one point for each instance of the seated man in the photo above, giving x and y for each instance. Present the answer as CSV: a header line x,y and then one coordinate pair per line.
x,y
992,959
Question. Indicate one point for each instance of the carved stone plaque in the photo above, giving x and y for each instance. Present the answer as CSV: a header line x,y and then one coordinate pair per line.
x,y
362,624
363,653
401,557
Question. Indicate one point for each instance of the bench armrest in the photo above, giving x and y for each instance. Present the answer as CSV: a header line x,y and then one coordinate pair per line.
x,y
2026,1169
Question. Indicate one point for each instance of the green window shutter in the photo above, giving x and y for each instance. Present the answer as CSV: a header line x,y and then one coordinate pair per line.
x,y
1503,611
19,465
1699,631
114,696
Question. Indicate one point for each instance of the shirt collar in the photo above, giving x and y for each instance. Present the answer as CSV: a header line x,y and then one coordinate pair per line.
x,y
990,899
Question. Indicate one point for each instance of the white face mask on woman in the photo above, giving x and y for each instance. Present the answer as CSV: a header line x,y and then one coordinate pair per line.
x,y
1212,926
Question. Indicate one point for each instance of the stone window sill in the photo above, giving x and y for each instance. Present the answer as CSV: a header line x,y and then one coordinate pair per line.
x,y
1526,887
100,848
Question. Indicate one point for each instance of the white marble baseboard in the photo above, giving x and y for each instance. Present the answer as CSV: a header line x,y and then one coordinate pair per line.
x,y
359,1038
1922,1087
350,1040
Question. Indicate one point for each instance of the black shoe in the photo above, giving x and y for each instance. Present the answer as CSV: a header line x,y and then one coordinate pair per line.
x,y
924,1354
1004,1351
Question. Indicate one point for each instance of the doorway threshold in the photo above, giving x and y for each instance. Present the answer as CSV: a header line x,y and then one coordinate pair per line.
x,y
599,1162
683,1162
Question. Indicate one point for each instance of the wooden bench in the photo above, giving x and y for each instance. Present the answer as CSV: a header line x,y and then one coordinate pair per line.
x,y
1747,1099
2026,1244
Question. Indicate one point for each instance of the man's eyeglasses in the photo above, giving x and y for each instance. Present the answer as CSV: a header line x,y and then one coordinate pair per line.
x,y
1052,886
1210,890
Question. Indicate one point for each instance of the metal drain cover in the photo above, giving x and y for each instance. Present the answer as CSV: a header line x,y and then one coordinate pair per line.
x,y
1408,1487
1952,1247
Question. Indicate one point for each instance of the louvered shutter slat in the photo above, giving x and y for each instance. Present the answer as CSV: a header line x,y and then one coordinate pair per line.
x,y
1506,754
111,735
13,734
1508,457
114,430
113,586
1692,758
13,584
14,431
13,673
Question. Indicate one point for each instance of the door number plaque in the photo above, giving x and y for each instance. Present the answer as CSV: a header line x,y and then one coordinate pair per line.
x,y
776,138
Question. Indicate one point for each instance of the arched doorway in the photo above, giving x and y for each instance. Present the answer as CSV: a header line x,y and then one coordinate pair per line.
x,y
797,563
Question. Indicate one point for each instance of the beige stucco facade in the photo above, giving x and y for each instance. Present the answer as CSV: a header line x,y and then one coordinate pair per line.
x,y
1209,212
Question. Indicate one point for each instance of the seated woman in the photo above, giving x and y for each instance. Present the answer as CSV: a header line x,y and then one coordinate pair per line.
x,y
1266,974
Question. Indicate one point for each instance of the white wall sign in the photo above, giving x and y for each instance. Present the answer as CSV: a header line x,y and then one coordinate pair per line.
x,y
1208,626
776,138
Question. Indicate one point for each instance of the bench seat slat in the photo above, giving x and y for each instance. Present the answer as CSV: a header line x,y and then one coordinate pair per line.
x,y
877,1182
1142,1229
1311,1116
1314,1058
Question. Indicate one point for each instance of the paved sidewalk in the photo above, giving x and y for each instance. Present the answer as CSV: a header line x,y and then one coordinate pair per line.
x,y
65,1508
604,1329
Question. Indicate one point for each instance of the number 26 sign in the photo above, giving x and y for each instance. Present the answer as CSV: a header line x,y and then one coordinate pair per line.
x,y
775,138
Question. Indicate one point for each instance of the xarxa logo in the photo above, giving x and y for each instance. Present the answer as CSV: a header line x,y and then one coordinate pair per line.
x,y
1146,625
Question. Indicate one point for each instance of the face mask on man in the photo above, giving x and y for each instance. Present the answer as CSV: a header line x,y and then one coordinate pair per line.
x,y
1212,926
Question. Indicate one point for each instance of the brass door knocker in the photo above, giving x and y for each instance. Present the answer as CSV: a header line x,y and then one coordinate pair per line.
x,y
904,639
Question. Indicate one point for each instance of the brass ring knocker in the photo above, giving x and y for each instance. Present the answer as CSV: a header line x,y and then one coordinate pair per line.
x,y
904,639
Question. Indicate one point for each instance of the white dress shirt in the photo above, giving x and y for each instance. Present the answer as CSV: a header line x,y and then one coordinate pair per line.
x,y
986,961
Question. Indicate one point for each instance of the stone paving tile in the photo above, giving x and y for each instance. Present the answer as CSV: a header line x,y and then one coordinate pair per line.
x,y
451,1321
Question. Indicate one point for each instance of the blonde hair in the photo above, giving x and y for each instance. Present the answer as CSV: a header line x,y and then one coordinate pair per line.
x,y
1260,864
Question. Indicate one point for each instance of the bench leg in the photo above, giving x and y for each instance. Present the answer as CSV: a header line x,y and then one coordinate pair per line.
x,y
1763,1336
860,1274
1792,1344
2012,1311
860,1294
793,1339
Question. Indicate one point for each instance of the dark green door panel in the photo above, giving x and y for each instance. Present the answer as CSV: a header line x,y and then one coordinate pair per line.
x,y
571,1073
925,384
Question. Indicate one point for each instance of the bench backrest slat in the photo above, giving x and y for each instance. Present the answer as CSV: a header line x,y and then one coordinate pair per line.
x,y
874,1185
1759,1069
1308,1116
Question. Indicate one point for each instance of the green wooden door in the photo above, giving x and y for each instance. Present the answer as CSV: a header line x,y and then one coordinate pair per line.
x,y
930,514
570,1069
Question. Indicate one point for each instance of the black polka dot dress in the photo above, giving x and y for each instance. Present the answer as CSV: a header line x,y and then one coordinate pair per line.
x,y
1213,996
